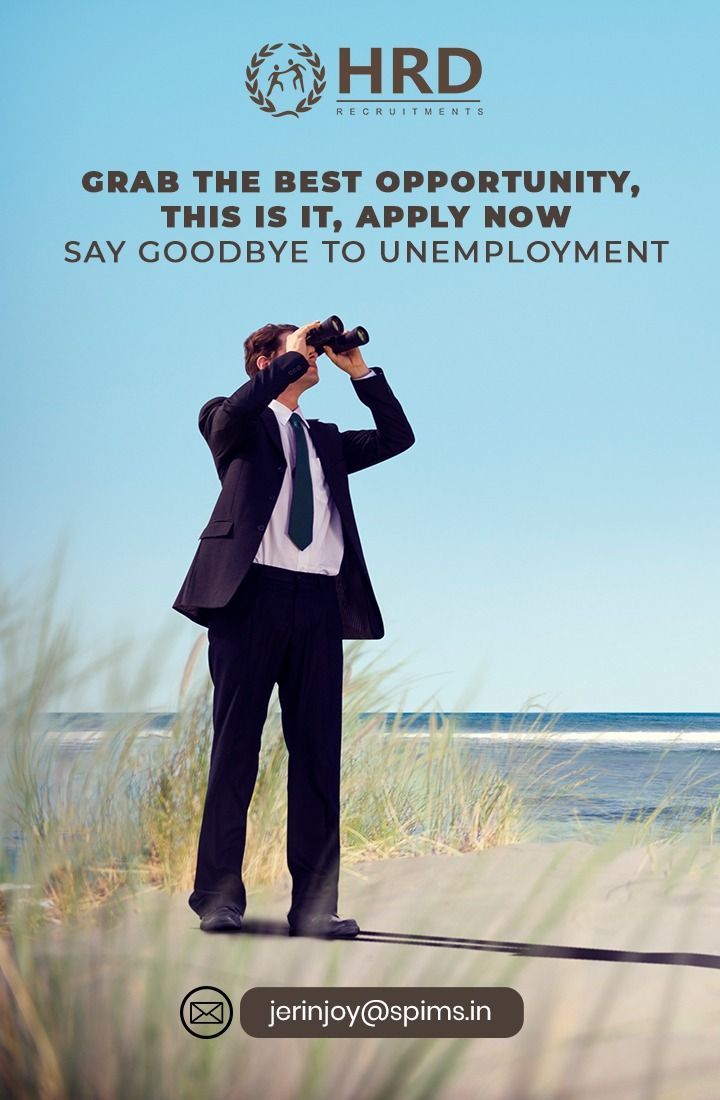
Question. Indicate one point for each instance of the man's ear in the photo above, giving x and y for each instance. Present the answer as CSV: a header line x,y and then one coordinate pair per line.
x,y
261,362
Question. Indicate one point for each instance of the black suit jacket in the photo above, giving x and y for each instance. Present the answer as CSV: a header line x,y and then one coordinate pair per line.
x,y
244,438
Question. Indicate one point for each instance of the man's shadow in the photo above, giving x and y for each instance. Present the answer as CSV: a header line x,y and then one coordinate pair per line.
x,y
259,927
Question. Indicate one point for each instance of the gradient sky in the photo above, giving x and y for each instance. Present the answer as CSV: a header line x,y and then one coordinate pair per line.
x,y
553,534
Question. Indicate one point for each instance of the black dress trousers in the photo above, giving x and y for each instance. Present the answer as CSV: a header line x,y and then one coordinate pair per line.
x,y
282,627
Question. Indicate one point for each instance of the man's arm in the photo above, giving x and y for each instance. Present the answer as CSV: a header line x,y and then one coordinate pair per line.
x,y
392,434
224,421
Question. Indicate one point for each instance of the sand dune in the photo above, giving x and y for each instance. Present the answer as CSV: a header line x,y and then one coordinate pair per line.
x,y
593,1028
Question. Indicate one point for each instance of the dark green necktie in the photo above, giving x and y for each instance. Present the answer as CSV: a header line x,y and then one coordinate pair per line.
x,y
301,510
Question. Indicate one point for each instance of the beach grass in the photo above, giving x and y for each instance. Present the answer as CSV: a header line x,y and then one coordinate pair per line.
x,y
98,945
126,816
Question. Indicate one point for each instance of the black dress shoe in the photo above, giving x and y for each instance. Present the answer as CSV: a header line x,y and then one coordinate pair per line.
x,y
325,925
226,918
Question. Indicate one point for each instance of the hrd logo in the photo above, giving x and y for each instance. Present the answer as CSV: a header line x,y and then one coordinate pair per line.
x,y
287,80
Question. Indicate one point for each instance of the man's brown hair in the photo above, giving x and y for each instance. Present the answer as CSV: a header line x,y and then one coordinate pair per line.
x,y
264,341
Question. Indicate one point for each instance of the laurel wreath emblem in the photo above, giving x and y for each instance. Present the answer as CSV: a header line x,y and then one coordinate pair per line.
x,y
264,102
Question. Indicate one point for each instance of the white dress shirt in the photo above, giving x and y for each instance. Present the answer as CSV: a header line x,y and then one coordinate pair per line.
x,y
325,551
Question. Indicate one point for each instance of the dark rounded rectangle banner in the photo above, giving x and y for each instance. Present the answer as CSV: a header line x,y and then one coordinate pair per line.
x,y
393,1011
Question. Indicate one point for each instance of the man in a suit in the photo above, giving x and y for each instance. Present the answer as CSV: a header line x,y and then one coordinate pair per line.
x,y
279,579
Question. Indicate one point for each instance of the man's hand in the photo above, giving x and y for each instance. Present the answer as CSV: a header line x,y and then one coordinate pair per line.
x,y
296,339
351,361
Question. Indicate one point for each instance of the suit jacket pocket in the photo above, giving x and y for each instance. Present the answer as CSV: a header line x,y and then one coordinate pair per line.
x,y
217,528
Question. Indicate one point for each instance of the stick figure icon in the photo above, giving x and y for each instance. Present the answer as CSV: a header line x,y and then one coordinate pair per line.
x,y
275,79
294,68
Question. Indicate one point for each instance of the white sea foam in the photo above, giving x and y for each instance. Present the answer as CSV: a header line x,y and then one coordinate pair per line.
x,y
635,738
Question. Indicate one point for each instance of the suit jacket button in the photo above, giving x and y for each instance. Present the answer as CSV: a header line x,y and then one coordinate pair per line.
x,y
261,526
281,467
272,496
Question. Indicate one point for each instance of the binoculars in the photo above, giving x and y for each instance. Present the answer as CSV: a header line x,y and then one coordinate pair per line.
x,y
331,333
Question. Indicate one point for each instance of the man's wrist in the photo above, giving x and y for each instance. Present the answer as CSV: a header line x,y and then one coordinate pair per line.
x,y
364,372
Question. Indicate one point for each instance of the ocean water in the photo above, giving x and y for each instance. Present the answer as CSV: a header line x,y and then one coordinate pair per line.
x,y
580,773
599,768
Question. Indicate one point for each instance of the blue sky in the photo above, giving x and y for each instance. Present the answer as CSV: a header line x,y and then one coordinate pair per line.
x,y
553,534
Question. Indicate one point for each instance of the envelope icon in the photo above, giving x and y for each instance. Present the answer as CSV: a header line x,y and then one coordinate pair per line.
x,y
206,1012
